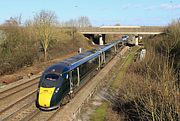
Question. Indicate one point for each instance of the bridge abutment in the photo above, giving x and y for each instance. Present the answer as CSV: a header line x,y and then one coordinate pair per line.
x,y
102,38
136,40
98,39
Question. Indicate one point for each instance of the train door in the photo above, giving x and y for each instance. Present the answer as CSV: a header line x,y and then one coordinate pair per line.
x,y
74,79
103,58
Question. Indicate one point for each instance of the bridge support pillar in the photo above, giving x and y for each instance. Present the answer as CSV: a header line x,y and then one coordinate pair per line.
x,y
136,40
102,39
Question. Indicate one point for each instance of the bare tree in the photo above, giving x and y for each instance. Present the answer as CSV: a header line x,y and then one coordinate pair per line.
x,y
44,23
13,21
83,21
117,24
70,23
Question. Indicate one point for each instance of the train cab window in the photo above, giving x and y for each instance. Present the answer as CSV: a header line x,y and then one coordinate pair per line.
x,y
51,77
50,80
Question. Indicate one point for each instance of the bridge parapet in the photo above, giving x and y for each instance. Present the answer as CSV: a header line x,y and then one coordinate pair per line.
x,y
142,29
114,29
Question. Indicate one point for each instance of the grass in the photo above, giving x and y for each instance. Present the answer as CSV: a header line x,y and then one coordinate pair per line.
x,y
150,90
100,113
120,75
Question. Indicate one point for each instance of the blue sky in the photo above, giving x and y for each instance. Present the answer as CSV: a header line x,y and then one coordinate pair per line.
x,y
100,12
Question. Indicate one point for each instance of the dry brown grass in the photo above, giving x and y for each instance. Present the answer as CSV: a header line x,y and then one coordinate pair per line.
x,y
148,92
151,95
150,89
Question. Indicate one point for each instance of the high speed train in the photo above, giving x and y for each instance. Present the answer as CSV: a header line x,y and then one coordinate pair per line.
x,y
62,80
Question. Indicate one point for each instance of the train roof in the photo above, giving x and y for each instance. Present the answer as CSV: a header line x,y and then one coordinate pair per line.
x,y
106,46
79,59
73,62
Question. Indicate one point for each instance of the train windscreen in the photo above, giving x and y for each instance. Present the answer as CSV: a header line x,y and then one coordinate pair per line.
x,y
50,80
51,77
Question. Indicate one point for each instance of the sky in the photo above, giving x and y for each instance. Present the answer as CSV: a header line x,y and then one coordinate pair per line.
x,y
100,12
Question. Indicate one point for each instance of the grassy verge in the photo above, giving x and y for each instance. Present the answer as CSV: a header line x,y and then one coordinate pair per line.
x,y
100,113
126,63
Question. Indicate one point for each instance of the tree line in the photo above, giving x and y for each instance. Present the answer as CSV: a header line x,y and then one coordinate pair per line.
x,y
39,39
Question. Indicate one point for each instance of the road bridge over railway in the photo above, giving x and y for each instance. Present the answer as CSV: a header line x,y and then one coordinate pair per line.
x,y
92,32
122,30
129,30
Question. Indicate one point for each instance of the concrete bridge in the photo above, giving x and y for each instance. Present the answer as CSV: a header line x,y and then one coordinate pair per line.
x,y
91,32
129,30
122,30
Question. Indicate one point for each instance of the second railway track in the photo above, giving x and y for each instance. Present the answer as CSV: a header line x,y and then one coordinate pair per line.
x,y
15,88
13,99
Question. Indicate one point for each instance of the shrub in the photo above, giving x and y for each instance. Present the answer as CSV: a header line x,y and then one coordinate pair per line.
x,y
17,50
150,89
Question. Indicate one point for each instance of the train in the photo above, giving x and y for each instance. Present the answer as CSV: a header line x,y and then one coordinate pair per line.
x,y
59,82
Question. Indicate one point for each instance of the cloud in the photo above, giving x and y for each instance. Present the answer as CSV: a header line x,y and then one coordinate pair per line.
x,y
170,6
149,8
166,6
129,6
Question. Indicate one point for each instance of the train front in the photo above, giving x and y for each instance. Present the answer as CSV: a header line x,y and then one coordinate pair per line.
x,y
49,91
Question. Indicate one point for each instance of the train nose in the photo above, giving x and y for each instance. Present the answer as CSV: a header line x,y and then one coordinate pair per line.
x,y
45,96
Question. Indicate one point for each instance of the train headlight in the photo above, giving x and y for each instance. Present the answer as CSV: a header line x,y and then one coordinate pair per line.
x,y
57,90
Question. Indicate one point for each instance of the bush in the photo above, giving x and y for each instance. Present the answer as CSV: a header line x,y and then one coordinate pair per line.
x,y
150,89
18,49
148,94
64,42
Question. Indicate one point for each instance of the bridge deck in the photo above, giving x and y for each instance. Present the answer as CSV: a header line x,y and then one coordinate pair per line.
x,y
122,30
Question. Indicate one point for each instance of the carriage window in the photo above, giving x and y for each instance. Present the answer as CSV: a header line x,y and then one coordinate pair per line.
x,y
51,77
75,76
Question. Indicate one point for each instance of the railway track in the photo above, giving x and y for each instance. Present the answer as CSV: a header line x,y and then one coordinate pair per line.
x,y
13,99
17,89
17,86
15,115
45,115
18,102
